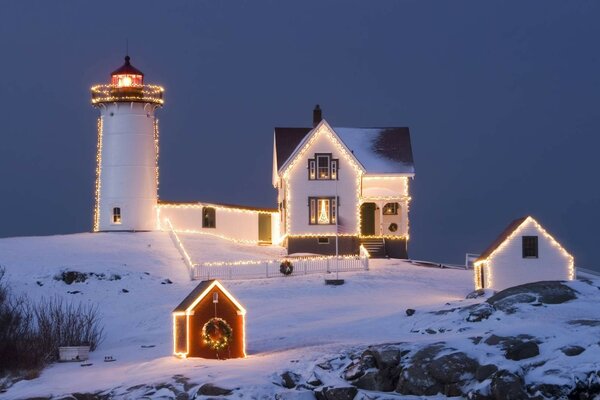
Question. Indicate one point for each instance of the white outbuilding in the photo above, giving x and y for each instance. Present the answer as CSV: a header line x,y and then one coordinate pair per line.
x,y
524,252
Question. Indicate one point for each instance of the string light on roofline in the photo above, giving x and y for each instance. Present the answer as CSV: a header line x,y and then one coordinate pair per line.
x,y
100,127
486,263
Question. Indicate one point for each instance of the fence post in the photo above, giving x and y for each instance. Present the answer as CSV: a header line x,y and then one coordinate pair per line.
x,y
267,269
327,268
305,268
230,272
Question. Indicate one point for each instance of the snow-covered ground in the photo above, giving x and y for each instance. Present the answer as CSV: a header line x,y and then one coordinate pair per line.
x,y
292,322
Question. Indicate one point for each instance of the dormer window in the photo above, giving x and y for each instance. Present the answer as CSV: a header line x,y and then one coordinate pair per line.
x,y
323,167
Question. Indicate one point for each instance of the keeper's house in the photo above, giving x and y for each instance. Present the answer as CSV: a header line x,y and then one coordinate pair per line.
x,y
352,182
524,252
209,303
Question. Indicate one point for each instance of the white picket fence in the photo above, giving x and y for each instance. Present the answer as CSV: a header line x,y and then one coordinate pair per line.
x,y
271,268
268,268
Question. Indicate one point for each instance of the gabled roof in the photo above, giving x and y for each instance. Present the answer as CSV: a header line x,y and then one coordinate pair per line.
x,y
501,238
200,292
379,150
511,230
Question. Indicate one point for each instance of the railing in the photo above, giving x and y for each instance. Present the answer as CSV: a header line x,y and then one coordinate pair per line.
x,y
271,268
135,93
187,260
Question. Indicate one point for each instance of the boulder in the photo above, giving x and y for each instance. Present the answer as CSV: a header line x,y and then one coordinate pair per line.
x,y
452,368
476,294
416,378
410,311
483,372
295,395
479,312
508,386
545,292
572,350
208,389
289,380
336,393
384,380
522,350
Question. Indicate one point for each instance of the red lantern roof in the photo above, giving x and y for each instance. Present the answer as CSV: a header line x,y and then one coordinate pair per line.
x,y
127,69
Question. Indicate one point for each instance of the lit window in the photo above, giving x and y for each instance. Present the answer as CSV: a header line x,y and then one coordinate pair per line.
x,y
390,209
116,215
322,210
323,167
208,217
530,247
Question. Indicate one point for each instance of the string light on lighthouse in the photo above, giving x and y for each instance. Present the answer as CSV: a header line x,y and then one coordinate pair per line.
x,y
96,227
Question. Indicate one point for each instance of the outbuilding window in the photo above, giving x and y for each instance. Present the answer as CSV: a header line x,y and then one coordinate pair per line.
x,y
390,209
209,219
116,215
530,247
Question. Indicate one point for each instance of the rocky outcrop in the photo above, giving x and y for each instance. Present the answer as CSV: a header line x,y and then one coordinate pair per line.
x,y
545,292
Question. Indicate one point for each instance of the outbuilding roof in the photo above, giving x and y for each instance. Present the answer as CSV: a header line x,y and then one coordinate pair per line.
x,y
379,150
200,292
501,238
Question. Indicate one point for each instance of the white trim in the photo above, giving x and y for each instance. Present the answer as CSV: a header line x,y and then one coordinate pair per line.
x,y
318,129
216,283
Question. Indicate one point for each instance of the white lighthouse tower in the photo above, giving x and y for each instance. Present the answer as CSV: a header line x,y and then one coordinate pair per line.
x,y
127,158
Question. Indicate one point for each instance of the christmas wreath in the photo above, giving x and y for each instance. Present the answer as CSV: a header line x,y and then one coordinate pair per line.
x,y
286,268
217,333
393,227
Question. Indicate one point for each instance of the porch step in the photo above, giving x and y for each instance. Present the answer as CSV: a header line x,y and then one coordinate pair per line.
x,y
375,247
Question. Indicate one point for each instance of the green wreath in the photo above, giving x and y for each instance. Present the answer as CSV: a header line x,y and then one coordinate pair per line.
x,y
217,333
286,267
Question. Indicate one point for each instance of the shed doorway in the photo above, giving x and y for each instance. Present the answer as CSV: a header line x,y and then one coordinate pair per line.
x,y
264,229
367,219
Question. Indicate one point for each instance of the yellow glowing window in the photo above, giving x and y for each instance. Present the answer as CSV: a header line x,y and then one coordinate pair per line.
x,y
116,215
390,209
322,210
323,167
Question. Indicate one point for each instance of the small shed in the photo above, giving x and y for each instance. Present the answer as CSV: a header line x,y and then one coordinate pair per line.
x,y
209,323
524,252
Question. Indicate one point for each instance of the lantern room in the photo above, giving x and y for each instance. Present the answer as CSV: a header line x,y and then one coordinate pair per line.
x,y
127,75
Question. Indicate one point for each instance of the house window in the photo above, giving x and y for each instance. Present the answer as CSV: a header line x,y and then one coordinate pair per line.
x,y
390,209
323,240
322,210
530,247
208,217
116,215
323,167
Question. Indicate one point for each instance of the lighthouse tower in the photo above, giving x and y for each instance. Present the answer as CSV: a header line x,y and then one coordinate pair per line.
x,y
127,157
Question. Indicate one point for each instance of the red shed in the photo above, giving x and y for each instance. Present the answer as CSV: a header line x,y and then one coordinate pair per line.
x,y
209,323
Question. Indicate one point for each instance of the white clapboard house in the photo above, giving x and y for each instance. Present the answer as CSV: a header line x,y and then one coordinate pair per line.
x,y
524,252
349,183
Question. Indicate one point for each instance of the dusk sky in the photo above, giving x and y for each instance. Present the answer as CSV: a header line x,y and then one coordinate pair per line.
x,y
502,99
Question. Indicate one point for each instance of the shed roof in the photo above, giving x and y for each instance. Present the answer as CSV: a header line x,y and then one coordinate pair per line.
x,y
200,292
501,238
379,150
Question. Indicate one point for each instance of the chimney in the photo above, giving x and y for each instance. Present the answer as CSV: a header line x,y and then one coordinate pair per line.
x,y
317,115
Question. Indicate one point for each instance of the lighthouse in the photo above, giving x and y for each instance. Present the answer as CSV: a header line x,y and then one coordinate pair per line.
x,y
126,193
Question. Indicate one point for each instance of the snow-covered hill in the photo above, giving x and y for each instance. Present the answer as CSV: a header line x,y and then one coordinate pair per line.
x,y
293,323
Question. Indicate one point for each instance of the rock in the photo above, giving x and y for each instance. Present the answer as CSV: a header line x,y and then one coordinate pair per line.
x,y
522,350
451,368
296,395
70,277
453,390
410,312
550,391
476,294
289,380
585,322
356,370
384,380
336,393
208,389
545,292
507,386
182,396
479,312
416,378
485,371
506,341
314,380
572,350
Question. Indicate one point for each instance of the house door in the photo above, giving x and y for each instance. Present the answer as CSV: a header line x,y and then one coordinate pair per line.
x,y
367,219
264,228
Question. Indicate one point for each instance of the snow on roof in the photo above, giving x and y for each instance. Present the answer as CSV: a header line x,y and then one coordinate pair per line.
x,y
379,150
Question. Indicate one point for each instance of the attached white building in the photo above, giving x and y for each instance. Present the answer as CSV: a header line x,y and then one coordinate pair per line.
x,y
524,252
346,182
